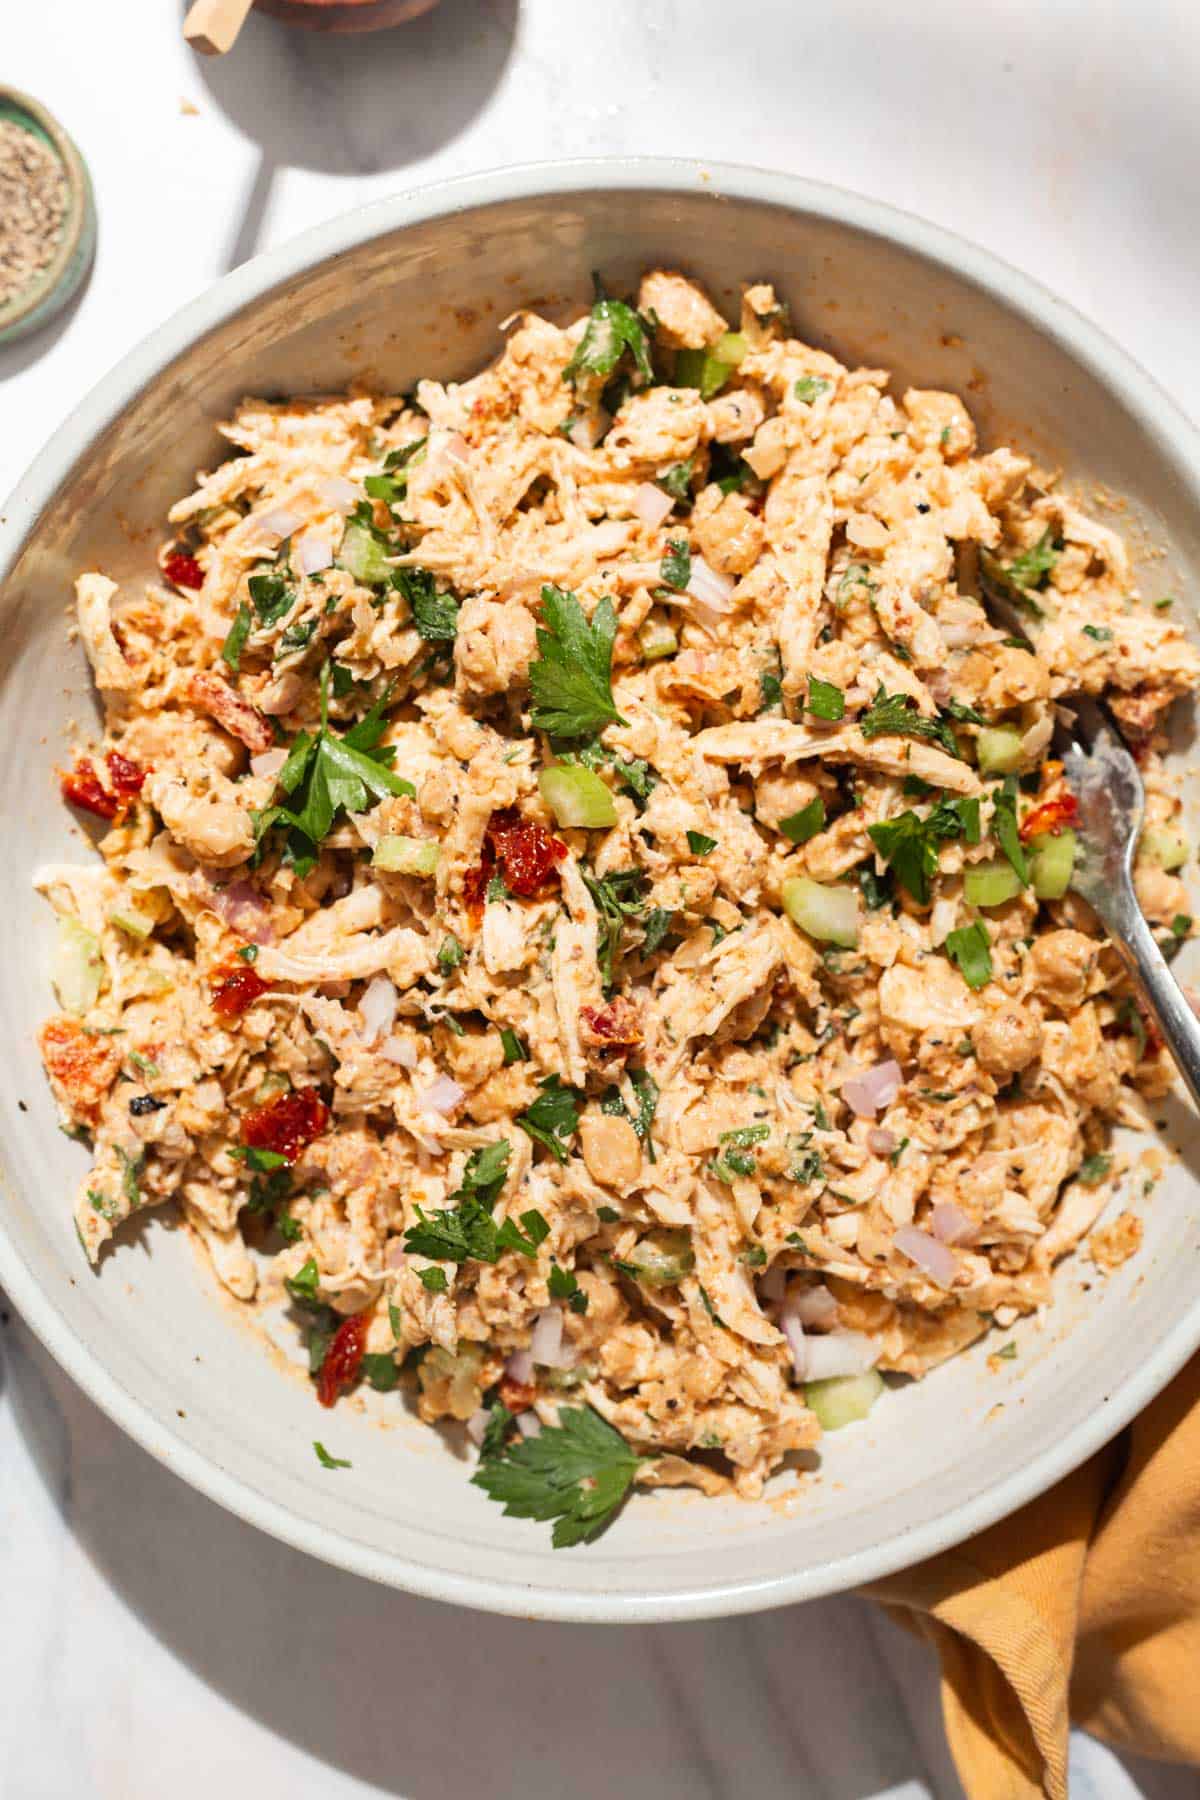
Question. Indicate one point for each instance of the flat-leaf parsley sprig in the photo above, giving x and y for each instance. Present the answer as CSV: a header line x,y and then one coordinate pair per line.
x,y
577,1473
571,678
325,775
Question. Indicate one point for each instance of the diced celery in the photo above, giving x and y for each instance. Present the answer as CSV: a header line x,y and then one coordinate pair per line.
x,y
843,1399
405,856
657,640
990,884
705,369
1165,846
362,555
730,348
78,971
577,798
662,1258
998,749
1053,863
829,914
138,924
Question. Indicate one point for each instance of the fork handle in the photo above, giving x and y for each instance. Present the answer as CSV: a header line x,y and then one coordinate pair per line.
x,y
1133,939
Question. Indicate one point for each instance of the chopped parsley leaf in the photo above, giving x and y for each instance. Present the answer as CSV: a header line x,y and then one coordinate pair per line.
x,y
798,827
612,329
810,388
896,715
571,677
1005,828
514,1049
970,950
676,565
1093,1169
563,1286
327,775
699,845
450,954
465,1230
330,1462
433,1280
434,615
677,480
1100,633
553,1118
235,638
380,1370
576,1472
825,699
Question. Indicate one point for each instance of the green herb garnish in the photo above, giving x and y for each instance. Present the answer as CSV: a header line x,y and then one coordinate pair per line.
x,y
576,1473
571,678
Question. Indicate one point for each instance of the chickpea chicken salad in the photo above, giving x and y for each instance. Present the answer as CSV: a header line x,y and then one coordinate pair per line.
x,y
582,927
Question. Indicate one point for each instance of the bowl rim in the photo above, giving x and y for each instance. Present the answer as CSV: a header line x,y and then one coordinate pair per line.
x,y
16,315
1153,411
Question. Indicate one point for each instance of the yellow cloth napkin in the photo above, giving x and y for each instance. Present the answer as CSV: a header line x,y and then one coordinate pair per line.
x,y
1083,1608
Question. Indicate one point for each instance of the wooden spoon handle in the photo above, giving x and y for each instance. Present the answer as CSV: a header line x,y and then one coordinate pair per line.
x,y
211,26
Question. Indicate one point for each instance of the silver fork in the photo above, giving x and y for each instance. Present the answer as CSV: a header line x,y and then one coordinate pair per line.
x,y
1112,802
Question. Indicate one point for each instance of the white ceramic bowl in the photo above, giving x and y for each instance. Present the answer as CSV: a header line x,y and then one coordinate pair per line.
x,y
418,284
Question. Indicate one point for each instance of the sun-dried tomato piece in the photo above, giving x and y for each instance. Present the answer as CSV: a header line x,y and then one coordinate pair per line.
x,y
518,1396
183,570
614,1026
82,787
343,1359
1051,815
475,884
80,1064
287,1123
235,989
126,775
527,853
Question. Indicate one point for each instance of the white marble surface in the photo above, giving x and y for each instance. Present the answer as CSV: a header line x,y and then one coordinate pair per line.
x,y
151,1644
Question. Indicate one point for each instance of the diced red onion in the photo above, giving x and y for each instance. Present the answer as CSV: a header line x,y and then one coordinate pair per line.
x,y
336,491
279,522
456,447
651,503
441,1096
869,1093
529,1425
244,910
839,1353
585,433
398,1050
814,1306
377,1008
312,552
269,762
394,1257
280,696
546,1345
477,1425
793,1331
950,1224
519,1367
709,588
881,1141
932,1258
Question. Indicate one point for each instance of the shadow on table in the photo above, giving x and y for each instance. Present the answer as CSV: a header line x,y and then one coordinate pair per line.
x,y
432,1702
359,104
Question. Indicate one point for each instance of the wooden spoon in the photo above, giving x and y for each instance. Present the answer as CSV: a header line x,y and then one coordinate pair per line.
x,y
212,26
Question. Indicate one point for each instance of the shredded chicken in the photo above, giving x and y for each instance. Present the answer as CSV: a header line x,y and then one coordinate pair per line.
x,y
740,1048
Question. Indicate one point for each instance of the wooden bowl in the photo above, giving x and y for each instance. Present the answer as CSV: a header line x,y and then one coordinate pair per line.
x,y
345,15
